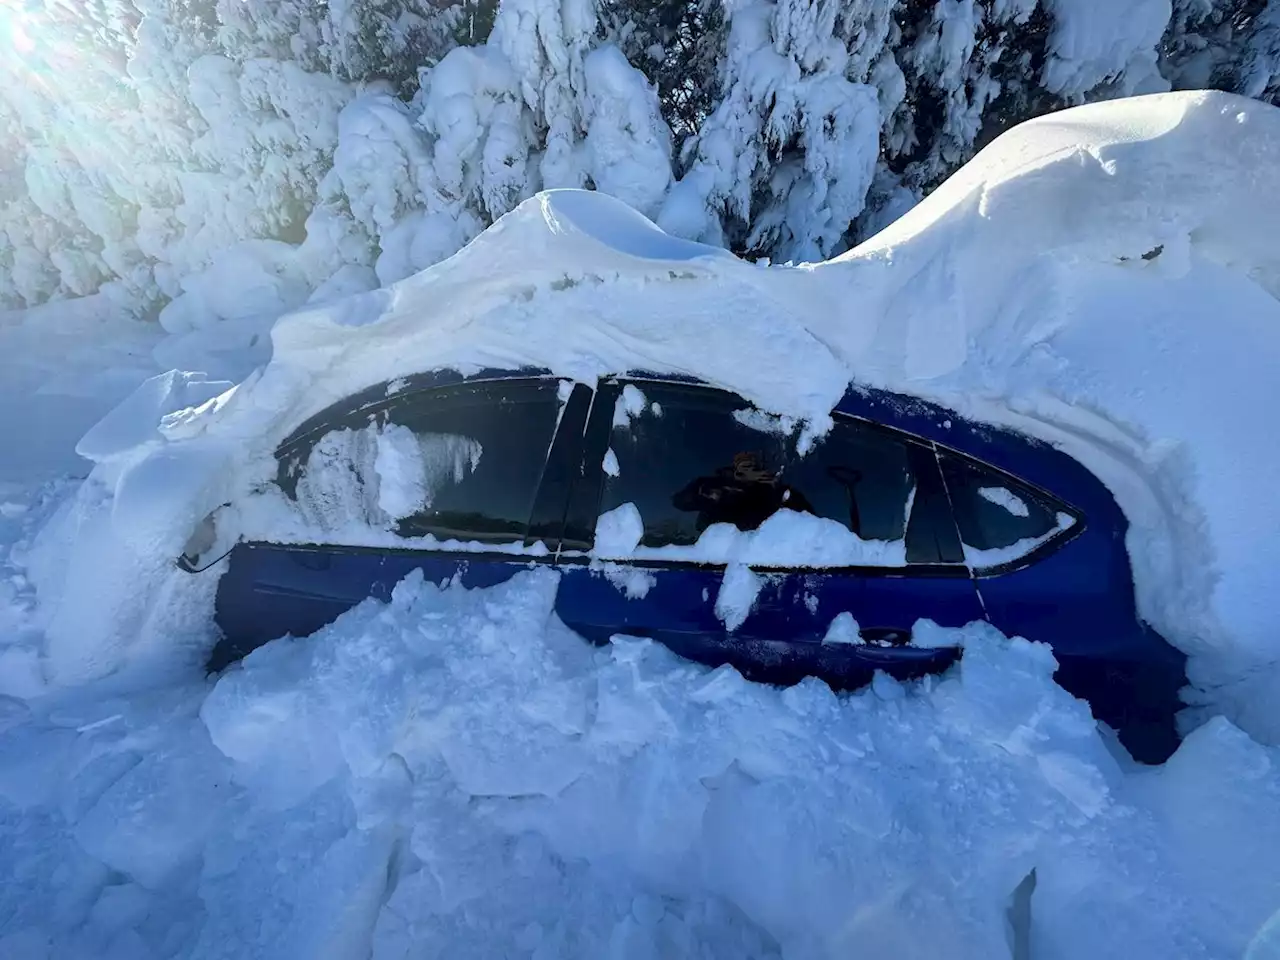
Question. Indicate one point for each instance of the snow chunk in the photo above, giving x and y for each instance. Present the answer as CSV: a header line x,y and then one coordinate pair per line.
x,y
844,629
927,634
786,539
619,531
402,472
630,404
1004,497
158,815
738,592
610,463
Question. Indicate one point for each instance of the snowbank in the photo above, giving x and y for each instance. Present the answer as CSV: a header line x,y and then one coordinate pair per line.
x,y
1103,278
455,774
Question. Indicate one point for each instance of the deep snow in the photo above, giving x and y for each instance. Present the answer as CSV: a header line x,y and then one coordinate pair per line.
x,y
455,773
1103,278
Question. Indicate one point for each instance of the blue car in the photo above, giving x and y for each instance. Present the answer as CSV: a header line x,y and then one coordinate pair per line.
x,y
969,522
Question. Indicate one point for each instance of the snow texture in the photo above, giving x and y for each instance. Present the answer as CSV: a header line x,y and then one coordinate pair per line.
x,y
1004,497
738,592
1102,278
454,772
634,582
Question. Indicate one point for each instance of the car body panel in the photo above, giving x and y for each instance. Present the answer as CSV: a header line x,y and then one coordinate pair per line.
x,y
781,638
272,590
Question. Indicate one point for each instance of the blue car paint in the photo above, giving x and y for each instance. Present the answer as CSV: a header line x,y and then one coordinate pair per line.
x,y
272,590
1078,597
780,640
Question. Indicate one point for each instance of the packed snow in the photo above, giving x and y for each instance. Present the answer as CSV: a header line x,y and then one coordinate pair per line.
x,y
455,772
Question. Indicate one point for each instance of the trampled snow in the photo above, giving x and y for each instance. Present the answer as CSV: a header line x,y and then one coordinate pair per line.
x,y
455,773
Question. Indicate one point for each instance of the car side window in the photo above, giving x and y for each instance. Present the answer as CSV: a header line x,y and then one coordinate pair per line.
x,y
860,477
998,518
683,459
691,457
457,463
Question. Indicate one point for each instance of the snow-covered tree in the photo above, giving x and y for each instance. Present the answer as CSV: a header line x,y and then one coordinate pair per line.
x,y
154,148
1226,45
959,58
678,45
392,40
783,165
540,104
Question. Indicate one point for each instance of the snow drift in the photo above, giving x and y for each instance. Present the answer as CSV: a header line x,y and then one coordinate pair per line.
x,y
454,773
1101,278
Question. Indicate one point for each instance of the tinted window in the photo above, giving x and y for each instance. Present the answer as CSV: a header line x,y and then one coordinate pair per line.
x,y
859,476
689,458
458,463
994,511
688,464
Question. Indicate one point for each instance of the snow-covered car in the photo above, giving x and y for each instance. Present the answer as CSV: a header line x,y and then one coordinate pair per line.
x,y
680,512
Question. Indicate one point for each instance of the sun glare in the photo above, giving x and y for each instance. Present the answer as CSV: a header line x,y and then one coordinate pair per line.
x,y
20,39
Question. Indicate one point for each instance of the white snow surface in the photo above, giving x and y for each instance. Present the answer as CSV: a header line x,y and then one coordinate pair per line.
x,y
787,539
455,773
1103,278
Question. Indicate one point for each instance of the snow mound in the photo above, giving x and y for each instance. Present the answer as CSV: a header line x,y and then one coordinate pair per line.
x,y
455,773
1103,278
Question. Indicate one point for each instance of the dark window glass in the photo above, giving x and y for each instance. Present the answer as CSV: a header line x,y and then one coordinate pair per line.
x,y
859,476
457,463
994,511
689,458
689,464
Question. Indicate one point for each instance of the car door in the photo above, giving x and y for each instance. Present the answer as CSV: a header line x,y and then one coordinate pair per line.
x,y
671,470
465,480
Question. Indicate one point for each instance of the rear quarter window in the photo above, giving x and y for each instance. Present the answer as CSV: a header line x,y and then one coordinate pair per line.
x,y
998,517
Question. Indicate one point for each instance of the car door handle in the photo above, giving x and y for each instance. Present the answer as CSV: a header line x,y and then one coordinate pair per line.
x,y
890,636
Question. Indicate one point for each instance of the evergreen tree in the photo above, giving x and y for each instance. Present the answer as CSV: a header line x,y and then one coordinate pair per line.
x,y
342,143
783,165
678,45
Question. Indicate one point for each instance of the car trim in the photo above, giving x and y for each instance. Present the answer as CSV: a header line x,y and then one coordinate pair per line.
x,y
949,570
357,549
